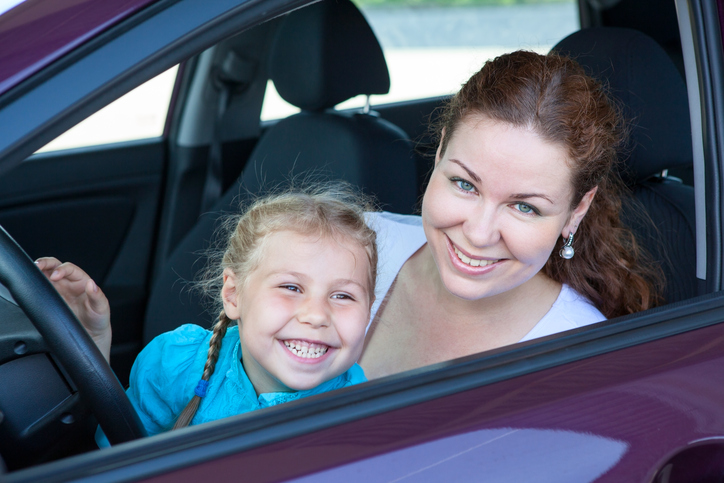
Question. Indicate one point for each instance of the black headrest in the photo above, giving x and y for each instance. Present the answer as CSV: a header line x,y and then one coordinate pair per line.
x,y
643,77
326,53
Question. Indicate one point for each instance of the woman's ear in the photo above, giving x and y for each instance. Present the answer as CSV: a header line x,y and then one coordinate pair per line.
x,y
578,213
439,147
230,295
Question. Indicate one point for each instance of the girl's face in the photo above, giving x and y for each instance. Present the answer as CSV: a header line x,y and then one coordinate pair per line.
x,y
496,206
302,312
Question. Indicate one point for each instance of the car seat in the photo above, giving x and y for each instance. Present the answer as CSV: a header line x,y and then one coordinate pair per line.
x,y
322,55
653,96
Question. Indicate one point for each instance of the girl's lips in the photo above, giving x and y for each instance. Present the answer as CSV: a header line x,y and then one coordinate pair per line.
x,y
467,264
306,352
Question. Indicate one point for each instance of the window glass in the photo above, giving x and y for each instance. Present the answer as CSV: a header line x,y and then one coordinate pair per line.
x,y
140,114
6,5
433,46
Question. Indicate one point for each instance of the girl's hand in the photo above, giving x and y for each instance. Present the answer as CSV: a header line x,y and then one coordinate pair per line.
x,y
84,298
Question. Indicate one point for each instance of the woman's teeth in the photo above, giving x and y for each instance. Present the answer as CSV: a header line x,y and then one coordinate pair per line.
x,y
472,261
305,349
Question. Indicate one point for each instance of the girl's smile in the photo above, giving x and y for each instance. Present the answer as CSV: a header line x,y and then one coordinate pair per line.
x,y
309,352
302,311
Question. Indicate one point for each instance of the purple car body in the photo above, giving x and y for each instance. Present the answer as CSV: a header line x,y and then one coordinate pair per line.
x,y
33,35
634,399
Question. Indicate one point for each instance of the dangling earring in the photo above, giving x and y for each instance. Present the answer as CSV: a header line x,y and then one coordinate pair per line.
x,y
567,250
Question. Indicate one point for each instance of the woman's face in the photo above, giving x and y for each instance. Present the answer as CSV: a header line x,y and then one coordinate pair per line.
x,y
496,206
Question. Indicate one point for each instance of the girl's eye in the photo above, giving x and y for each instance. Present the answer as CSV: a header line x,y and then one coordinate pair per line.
x,y
525,208
464,185
342,296
292,288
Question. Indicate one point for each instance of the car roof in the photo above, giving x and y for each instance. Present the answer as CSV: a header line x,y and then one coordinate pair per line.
x,y
35,33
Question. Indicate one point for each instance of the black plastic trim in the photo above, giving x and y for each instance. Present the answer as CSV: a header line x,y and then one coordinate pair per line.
x,y
710,62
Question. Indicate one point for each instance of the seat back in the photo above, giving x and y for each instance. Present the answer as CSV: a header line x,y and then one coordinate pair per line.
x,y
316,72
313,72
653,96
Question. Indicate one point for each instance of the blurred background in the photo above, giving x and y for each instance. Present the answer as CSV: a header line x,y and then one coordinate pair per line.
x,y
431,47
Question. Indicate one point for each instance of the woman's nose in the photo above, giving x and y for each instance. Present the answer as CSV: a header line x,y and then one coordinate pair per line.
x,y
481,227
314,311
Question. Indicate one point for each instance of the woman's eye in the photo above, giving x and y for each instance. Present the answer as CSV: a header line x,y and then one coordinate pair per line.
x,y
464,185
525,208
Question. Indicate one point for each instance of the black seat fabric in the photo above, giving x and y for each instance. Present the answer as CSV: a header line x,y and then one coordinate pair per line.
x,y
314,72
654,101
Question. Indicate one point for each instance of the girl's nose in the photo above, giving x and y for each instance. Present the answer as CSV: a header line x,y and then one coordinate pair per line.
x,y
481,227
313,311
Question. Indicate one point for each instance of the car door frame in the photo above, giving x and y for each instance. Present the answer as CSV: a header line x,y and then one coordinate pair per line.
x,y
211,443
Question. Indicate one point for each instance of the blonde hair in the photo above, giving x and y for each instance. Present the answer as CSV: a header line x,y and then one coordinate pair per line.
x,y
329,210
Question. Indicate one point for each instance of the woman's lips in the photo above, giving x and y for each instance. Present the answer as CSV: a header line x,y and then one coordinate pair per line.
x,y
470,265
473,262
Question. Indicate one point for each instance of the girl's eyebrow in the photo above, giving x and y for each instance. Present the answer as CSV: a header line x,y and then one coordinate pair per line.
x,y
523,196
302,276
474,176
347,281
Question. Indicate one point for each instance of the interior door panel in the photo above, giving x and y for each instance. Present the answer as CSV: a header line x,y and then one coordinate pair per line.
x,y
96,207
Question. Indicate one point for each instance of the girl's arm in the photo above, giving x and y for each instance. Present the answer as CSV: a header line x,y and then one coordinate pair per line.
x,y
83,297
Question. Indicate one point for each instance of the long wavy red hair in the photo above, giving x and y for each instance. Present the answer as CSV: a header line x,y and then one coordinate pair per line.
x,y
553,95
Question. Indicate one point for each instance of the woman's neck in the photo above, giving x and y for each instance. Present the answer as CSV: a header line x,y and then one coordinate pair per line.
x,y
422,323
507,311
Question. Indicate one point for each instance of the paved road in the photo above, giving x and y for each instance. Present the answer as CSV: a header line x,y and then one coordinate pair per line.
x,y
515,25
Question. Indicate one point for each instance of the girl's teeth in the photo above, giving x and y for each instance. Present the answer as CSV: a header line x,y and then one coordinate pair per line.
x,y
304,350
472,261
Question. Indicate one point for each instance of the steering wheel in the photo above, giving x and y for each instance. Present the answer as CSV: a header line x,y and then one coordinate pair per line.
x,y
69,342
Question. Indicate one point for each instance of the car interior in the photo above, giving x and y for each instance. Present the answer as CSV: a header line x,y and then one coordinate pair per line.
x,y
148,209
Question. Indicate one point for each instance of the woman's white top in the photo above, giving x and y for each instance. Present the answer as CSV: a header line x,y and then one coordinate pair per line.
x,y
400,236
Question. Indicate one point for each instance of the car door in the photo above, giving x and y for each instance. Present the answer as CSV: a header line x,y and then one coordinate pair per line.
x,y
626,400
97,207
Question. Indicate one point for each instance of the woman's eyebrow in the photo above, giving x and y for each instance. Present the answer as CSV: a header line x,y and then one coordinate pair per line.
x,y
523,196
474,176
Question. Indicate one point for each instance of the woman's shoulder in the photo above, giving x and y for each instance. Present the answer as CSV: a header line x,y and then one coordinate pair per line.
x,y
398,236
385,219
574,306
570,311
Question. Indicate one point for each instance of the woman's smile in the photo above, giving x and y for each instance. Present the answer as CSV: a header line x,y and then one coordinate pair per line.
x,y
470,264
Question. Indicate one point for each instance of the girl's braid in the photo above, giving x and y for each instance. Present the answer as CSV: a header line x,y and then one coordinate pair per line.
x,y
217,337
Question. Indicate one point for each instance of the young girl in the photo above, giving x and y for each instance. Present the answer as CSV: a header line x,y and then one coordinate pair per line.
x,y
297,282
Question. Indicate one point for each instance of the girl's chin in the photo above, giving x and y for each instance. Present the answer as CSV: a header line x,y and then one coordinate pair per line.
x,y
304,386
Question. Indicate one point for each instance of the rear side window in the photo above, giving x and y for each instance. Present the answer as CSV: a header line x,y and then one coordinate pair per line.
x,y
433,46
140,114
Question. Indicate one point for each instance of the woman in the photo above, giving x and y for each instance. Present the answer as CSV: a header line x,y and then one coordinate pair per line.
x,y
524,160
